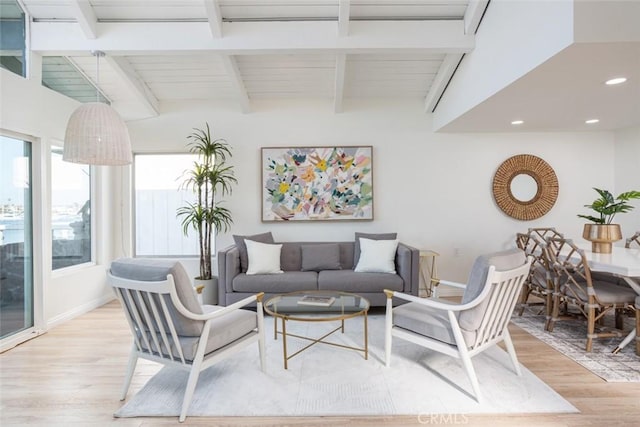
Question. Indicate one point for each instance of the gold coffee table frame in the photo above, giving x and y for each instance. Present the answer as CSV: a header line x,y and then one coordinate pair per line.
x,y
285,307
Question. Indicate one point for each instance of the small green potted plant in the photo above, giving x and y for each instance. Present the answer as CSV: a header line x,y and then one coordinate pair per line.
x,y
209,178
603,232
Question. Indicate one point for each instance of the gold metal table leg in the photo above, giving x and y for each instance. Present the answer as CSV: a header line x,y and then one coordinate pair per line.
x,y
284,342
366,337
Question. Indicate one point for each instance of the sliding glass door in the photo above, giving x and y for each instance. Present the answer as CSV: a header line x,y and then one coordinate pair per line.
x,y
16,237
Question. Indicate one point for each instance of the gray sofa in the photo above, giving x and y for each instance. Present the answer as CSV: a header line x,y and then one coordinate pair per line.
x,y
234,284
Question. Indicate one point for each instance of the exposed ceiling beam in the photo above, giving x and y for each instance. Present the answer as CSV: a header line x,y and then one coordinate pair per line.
x,y
231,67
341,65
343,17
215,17
242,38
138,88
446,70
86,17
473,15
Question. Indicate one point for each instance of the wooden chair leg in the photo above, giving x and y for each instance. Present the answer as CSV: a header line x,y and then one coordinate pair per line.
x,y
637,328
555,312
619,318
591,327
524,297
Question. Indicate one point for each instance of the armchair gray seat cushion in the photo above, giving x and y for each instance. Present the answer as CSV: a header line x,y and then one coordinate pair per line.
x,y
223,330
424,321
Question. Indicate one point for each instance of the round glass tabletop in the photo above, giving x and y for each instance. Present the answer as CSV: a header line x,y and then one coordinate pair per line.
x,y
316,305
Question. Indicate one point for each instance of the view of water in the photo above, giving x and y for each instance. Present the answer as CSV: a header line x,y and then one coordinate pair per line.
x,y
12,229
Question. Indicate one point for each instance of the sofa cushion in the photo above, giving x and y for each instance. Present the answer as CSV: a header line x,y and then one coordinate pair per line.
x,y
351,281
320,257
263,258
291,256
377,256
289,281
370,236
242,247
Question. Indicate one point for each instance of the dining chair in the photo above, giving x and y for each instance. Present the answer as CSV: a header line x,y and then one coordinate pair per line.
x,y
633,241
539,284
638,325
170,327
574,286
469,328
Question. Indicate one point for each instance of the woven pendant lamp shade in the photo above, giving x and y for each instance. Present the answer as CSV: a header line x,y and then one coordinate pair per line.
x,y
97,135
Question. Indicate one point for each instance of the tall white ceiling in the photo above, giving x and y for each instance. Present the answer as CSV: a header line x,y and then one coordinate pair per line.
x,y
237,51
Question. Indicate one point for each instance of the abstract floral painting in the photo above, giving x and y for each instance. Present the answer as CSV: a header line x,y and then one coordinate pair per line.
x,y
317,183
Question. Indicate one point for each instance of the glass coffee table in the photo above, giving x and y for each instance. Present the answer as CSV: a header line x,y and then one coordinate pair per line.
x,y
316,306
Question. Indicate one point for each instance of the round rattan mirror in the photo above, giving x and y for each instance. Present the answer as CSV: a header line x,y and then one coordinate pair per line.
x,y
525,187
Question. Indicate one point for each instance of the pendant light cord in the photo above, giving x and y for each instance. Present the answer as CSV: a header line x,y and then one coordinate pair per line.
x,y
97,54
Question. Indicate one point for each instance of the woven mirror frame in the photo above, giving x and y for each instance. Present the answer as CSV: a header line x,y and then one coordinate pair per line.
x,y
545,180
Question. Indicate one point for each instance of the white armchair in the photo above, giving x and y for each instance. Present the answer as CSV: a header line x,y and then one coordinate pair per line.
x,y
170,327
466,329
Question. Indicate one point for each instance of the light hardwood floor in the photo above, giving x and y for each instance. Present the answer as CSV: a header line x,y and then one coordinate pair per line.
x,y
72,376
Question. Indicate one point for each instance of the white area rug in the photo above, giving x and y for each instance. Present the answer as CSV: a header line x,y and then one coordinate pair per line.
x,y
326,380
569,338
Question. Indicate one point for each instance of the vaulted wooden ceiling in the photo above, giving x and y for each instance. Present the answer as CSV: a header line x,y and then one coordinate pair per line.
x,y
241,50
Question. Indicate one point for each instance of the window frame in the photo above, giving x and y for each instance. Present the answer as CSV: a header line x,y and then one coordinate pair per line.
x,y
62,271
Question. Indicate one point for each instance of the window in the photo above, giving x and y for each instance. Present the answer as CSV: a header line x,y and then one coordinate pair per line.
x,y
16,237
157,193
12,37
70,212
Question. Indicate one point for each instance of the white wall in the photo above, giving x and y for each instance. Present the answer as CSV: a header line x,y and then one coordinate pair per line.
x,y
627,175
433,189
513,38
28,108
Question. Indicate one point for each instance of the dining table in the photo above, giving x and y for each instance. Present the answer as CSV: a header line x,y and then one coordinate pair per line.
x,y
622,262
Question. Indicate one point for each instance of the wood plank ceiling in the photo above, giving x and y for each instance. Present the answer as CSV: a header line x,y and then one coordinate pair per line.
x,y
158,50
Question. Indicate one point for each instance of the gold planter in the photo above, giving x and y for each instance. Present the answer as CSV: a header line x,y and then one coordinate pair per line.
x,y
602,236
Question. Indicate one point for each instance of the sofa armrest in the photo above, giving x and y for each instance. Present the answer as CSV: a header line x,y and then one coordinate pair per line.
x,y
228,268
408,267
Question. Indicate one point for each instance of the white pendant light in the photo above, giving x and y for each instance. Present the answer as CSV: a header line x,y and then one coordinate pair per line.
x,y
96,134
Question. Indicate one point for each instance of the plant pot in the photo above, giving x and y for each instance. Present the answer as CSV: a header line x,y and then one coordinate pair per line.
x,y
210,292
602,236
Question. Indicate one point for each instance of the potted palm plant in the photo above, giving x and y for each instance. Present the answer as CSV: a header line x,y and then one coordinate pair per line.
x,y
210,178
602,232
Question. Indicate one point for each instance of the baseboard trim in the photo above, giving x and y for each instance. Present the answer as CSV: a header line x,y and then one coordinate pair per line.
x,y
78,311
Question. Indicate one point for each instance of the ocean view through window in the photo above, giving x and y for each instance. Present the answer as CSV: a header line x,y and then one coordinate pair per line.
x,y
16,237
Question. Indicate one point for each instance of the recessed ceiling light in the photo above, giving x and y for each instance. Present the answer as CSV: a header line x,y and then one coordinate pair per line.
x,y
591,121
517,122
616,81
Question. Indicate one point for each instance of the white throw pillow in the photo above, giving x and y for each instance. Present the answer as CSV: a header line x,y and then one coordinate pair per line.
x,y
377,256
263,258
